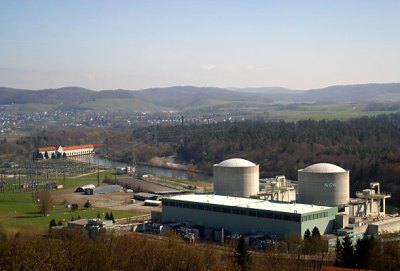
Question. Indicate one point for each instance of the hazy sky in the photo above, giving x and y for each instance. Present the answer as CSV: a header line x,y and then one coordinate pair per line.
x,y
141,44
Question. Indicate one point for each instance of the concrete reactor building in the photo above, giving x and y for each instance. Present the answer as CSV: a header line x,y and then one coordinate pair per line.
x,y
324,184
236,177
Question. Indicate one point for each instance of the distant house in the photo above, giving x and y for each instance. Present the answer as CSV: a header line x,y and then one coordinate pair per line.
x,y
92,225
76,150
68,151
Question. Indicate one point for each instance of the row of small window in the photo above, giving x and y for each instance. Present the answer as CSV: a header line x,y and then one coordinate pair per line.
x,y
235,211
314,216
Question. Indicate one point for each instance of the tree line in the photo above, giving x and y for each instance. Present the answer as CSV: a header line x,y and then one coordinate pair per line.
x,y
369,146
72,249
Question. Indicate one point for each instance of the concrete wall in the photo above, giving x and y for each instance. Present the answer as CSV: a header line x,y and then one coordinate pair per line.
x,y
385,226
236,181
230,222
245,224
328,189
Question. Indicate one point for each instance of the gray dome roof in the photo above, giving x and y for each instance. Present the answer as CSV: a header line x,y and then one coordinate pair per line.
x,y
235,162
324,168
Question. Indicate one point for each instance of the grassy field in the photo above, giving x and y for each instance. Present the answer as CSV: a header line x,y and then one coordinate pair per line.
x,y
18,211
321,112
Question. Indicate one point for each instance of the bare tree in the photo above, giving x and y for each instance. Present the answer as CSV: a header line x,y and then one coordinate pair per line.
x,y
44,202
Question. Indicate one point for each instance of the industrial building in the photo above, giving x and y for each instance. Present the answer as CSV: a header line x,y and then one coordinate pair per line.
x,y
322,201
236,177
246,215
324,184
277,189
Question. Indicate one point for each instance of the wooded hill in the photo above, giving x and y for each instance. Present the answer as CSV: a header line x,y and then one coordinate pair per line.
x,y
189,97
369,147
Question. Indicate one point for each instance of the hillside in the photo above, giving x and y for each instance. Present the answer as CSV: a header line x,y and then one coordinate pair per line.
x,y
182,97
353,93
190,97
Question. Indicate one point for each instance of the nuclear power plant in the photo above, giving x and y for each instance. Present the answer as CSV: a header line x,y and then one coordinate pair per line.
x,y
323,184
236,177
320,198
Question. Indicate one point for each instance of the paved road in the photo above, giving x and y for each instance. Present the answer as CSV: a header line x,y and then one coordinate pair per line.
x,y
146,186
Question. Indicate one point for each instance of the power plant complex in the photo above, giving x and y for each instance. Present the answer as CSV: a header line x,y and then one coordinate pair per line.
x,y
244,205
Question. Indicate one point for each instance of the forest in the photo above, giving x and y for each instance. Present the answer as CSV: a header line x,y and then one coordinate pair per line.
x,y
369,146
72,249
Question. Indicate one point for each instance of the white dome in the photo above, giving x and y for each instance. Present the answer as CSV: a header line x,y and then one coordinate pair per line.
x,y
235,162
323,168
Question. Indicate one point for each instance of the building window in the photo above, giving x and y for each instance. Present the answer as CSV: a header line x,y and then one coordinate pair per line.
x,y
179,204
235,211
296,218
193,206
200,207
252,213
216,209
208,208
226,210
243,212
269,215
260,214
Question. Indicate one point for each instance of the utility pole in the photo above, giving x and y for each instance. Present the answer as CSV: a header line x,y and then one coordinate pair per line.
x,y
132,157
98,174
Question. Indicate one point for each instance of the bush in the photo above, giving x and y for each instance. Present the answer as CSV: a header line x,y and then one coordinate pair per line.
x,y
74,207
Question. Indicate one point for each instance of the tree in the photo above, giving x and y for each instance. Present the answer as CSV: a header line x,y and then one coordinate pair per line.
x,y
363,251
44,202
52,223
98,215
316,233
53,155
59,223
107,216
307,234
87,204
64,155
111,217
74,207
345,252
46,155
242,254
58,155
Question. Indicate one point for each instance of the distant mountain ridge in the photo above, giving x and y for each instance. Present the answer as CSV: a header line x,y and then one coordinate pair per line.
x,y
184,97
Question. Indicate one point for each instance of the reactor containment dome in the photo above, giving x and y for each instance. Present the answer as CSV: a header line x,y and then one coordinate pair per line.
x,y
236,177
323,184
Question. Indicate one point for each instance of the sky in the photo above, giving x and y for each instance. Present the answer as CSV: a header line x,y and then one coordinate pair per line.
x,y
137,44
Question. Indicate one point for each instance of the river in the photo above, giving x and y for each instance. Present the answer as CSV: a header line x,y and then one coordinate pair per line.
x,y
143,169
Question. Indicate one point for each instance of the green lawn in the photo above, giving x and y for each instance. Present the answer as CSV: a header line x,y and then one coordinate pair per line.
x,y
19,213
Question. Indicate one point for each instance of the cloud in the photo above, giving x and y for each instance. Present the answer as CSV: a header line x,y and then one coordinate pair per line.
x,y
208,67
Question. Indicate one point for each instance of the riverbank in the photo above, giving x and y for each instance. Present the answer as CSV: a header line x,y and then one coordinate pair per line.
x,y
170,163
